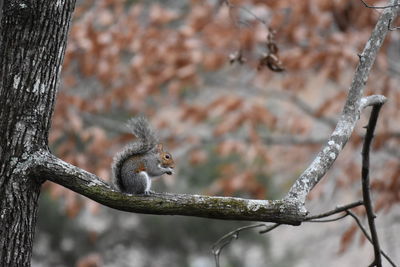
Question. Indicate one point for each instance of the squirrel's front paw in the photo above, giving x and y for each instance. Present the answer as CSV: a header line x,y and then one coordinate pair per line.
x,y
148,193
169,171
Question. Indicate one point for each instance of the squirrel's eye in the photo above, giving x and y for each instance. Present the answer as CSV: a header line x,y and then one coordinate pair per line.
x,y
167,156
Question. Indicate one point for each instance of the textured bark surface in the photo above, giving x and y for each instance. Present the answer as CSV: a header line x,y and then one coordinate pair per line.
x,y
32,43
46,165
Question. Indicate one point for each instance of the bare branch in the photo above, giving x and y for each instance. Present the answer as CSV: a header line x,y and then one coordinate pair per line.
x,y
311,112
350,114
365,181
392,28
248,11
328,220
105,123
377,102
291,140
225,240
269,228
338,209
303,106
44,165
378,7
372,100
365,232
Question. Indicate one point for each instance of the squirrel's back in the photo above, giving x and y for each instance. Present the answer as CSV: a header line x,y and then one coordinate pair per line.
x,y
145,141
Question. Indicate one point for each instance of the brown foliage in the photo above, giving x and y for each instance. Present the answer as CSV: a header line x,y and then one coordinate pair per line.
x,y
173,65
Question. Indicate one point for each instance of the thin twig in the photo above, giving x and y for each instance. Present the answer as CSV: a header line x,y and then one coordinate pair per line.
x,y
225,240
346,209
328,220
378,7
230,5
365,232
229,237
392,28
338,209
365,181
304,106
269,228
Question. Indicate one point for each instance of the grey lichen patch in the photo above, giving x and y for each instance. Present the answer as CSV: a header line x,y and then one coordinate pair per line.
x,y
363,102
94,182
20,127
312,171
367,45
295,203
3,213
13,161
344,128
38,87
254,204
41,108
199,199
16,82
59,3
372,100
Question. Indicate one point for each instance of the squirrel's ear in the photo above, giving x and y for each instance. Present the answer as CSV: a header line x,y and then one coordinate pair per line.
x,y
159,147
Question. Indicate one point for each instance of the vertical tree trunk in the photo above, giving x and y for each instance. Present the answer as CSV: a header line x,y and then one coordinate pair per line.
x,y
33,36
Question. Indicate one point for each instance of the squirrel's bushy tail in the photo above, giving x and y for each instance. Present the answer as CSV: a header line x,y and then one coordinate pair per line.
x,y
145,141
146,138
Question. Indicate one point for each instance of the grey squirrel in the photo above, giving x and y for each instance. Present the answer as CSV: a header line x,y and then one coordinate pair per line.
x,y
138,162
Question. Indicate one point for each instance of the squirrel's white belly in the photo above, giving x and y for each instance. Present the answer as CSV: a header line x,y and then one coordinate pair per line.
x,y
148,181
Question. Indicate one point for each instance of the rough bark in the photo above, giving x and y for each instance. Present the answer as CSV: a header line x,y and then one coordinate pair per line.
x,y
32,42
45,165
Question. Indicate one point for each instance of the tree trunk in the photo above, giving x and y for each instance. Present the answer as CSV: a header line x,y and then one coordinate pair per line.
x,y
33,37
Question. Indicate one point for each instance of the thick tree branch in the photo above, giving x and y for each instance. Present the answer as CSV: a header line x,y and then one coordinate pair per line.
x,y
325,158
33,37
46,166
351,111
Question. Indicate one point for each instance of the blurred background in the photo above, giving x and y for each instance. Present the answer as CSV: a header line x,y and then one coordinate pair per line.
x,y
243,93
